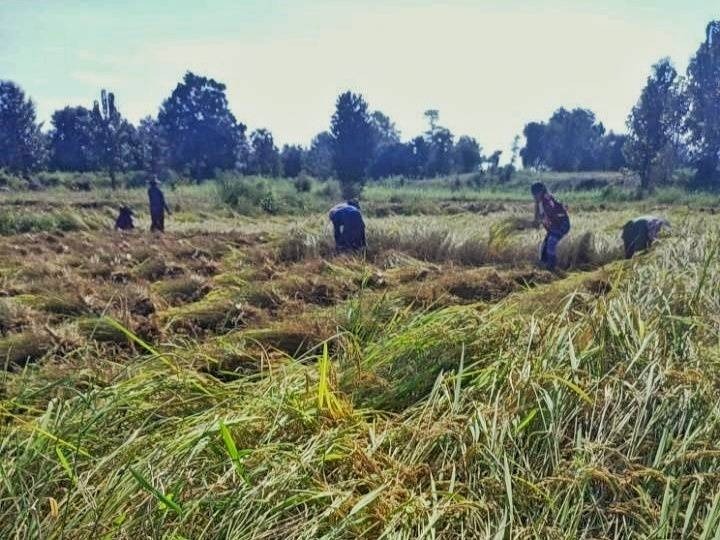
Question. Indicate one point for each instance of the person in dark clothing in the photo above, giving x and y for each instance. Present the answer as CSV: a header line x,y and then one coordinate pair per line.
x,y
554,217
348,226
124,221
158,207
638,234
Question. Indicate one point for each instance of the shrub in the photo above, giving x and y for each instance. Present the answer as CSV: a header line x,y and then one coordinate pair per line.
x,y
303,184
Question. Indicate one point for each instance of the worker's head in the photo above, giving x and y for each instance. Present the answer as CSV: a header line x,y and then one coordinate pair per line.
x,y
126,210
354,202
538,189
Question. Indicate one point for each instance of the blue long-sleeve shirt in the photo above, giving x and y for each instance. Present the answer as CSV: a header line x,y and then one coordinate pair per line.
x,y
349,227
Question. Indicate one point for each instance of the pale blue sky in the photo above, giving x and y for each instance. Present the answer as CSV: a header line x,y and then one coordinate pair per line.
x,y
488,66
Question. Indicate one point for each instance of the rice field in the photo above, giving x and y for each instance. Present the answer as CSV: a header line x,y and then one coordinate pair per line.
x,y
234,379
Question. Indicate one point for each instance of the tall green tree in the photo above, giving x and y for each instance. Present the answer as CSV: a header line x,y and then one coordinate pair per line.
x,y
440,159
22,145
533,153
467,154
385,131
440,142
71,140
202,133
703,119
113,137
292,157
655,124
611,155
319,159
264,157
353,142
152,147
572,139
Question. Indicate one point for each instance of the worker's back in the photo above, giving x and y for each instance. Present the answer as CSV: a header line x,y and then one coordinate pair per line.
x,y
639,233
157,199
349,226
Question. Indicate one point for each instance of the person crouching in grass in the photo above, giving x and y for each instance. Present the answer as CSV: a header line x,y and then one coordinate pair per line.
x,y
348,227
554,217
638,234
124,221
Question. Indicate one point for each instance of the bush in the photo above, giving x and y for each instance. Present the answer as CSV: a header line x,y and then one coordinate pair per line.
x,y
246,194
330,191
303,184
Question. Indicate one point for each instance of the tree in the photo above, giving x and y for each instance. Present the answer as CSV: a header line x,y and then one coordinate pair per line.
x,y
392,160
703,119
112,136
440,146
533,153
202,133
420,155
264,156
21,142
152,147
71,140
385,132
353,142
319,161
655,122
432,115
571,140
388,150
467,154
611,155
515,150
292,160
440,159
494,161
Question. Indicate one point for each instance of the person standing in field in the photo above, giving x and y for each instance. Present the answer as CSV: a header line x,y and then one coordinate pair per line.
x,y
158,207
554,217
638,234
348,226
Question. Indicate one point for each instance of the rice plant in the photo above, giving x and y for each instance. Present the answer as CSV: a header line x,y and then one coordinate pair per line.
x,y
285,395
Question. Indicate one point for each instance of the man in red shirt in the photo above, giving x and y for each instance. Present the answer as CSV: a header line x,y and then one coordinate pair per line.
x,y
554,218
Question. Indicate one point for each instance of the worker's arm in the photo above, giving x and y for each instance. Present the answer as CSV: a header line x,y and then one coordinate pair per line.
x,y
337,230
537,220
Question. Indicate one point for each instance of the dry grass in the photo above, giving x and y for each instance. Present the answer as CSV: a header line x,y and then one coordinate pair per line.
x,y
461,392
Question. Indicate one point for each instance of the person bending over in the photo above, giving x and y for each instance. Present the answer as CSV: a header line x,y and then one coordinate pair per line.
x,y
554,217
124,221
638,234
348,225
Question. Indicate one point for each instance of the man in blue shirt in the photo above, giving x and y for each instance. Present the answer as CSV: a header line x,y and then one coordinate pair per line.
x,y
348,226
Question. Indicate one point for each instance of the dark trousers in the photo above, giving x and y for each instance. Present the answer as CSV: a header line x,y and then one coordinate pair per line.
x,y
548,254
157,222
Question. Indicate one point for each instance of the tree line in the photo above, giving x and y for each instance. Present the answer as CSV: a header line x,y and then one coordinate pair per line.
x,y
676,122
195,133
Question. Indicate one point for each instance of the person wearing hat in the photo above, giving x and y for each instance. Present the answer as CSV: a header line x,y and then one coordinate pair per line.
x,y
348,226
158,207
638,234
124,221
554,217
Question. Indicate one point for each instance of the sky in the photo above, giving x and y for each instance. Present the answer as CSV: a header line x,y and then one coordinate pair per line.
x,y
488,66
